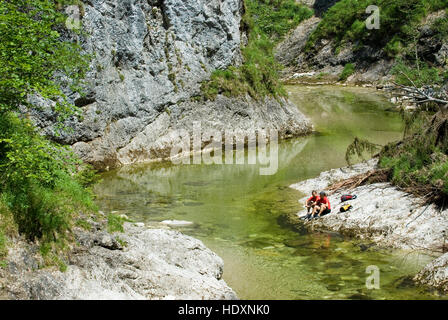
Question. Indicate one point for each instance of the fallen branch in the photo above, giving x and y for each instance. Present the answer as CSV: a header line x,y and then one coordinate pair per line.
x,y
420,95
372,176
426,193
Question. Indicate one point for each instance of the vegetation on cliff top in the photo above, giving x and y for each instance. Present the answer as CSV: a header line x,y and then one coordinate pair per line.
x,y
398,34
345,22
266,22
43,186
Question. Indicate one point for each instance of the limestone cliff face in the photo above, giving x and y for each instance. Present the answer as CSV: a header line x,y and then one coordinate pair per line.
x,y
150,58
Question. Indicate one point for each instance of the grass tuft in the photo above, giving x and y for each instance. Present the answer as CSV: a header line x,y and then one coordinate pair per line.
x,y
115,223
349,69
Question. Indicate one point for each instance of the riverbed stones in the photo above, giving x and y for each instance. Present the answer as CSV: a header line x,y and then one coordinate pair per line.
x,y
297,243
288,51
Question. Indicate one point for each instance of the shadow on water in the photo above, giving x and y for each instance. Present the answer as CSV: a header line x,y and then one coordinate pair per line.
x,y
235,210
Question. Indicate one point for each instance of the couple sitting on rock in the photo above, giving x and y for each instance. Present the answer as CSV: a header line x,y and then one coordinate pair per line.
x,y
319,205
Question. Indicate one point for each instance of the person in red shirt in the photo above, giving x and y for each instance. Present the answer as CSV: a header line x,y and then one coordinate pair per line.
x,y
312,201
322,207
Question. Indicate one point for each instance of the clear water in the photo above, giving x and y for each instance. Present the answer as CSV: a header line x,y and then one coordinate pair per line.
x,y
235,210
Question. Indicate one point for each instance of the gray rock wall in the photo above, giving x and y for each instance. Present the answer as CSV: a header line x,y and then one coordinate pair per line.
x,y
435,274
150,58
156,139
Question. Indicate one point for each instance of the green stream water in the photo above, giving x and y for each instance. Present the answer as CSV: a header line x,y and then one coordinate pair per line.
x,y
235,210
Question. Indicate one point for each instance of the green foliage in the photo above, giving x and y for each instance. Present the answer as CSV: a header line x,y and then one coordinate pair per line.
x,y
7,228
394,47
115,223
266,21
172,77
419,75
33,59
122,242
349,69
86,176
43,186
437,174
419,163
39,181
258,76
84,224
345,21
338,21
321,75
229,82
49,251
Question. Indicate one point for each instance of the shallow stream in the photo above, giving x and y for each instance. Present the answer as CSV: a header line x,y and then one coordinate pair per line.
x,y
235,210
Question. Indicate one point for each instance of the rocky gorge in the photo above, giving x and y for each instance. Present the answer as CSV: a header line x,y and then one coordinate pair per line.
x,y
142,90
